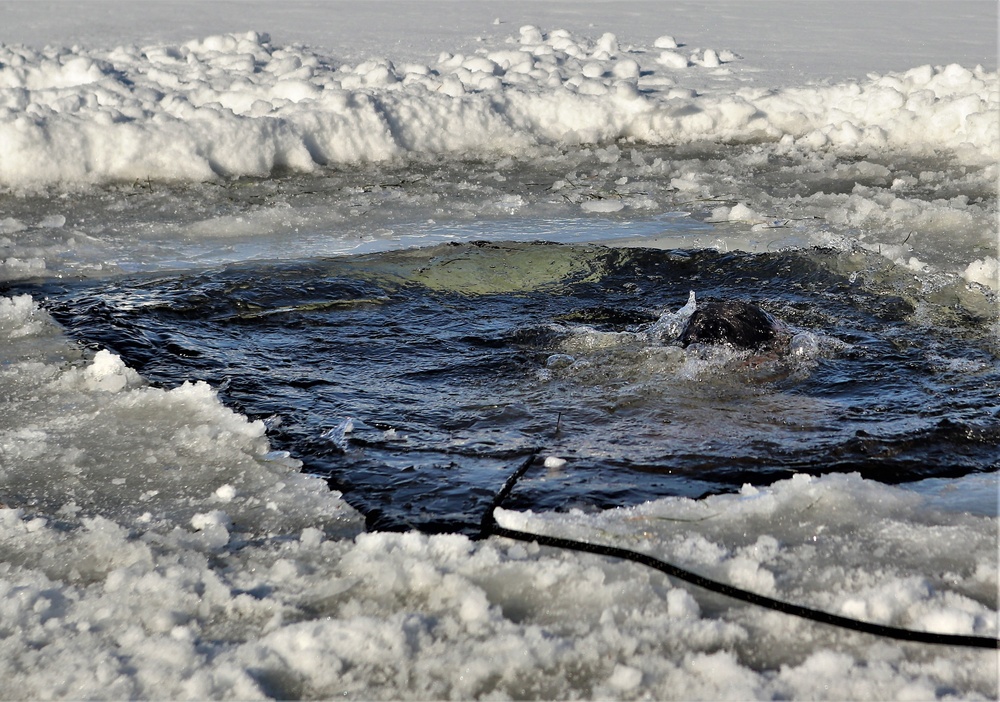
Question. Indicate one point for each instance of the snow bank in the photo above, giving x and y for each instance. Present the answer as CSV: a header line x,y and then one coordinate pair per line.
x,y
90,428
540,127
235,105
152,545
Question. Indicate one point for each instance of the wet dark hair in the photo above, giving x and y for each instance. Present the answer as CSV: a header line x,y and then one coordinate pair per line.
x,y
740,324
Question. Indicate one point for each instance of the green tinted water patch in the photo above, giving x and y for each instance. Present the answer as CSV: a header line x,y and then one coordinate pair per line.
x,y
487,268
414,379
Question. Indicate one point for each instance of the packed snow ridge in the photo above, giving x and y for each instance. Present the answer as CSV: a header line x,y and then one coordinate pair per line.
x,y
236,105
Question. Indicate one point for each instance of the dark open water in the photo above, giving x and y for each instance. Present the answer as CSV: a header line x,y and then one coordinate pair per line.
x,y
455,362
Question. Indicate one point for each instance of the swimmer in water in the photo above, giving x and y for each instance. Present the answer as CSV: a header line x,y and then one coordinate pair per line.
x,y
734,322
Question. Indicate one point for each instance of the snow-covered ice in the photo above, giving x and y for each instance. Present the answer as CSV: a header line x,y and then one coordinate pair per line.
x,y
239,105
152,544
902,162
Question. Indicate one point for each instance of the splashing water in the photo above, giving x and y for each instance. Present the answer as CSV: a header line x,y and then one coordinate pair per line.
x,y
411,379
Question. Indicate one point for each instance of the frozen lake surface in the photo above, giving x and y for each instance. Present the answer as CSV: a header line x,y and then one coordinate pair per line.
x,y
282,309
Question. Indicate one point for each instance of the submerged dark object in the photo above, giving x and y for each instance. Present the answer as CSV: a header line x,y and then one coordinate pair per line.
x,y
735,322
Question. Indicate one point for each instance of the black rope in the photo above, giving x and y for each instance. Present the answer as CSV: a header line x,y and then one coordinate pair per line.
x,y
489,527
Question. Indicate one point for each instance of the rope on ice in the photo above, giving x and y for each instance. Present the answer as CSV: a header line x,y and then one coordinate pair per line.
x,y
489,527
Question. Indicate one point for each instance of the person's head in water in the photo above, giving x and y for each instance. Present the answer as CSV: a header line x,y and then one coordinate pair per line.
x,y
740,324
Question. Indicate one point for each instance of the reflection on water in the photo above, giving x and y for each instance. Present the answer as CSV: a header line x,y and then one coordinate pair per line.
x,y
454,362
